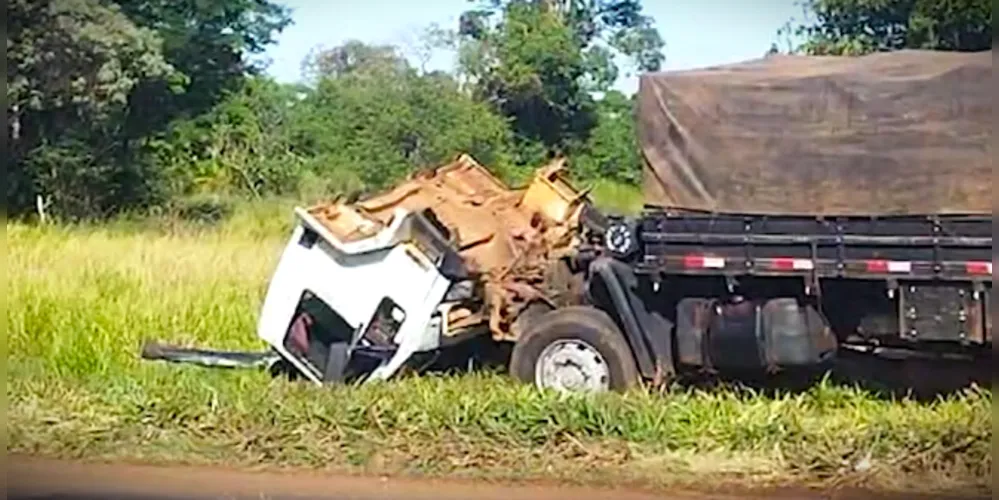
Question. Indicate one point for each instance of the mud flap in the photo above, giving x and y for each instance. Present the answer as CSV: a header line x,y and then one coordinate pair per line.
x,y
647,332
692,320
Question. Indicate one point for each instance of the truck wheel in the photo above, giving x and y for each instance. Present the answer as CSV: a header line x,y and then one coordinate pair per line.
x,y
574,349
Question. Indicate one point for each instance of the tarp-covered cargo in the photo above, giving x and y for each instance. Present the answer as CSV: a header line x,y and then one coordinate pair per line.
x,y
905,132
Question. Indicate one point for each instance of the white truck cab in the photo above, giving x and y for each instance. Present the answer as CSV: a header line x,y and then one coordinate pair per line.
x,y
340,307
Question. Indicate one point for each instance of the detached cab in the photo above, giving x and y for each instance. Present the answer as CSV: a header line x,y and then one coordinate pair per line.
x,y
339,308
362,289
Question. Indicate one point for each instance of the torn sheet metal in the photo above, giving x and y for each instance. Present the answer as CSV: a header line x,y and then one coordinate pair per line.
x,y
509,238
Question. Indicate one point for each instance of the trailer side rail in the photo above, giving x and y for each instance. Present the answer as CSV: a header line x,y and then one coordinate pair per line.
x,y
937,247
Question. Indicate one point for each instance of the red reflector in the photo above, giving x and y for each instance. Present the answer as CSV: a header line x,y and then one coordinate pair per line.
x,y
889,266
789,264
702,262
978,267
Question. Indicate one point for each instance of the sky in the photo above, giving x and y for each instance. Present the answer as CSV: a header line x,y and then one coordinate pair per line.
x,y
697,33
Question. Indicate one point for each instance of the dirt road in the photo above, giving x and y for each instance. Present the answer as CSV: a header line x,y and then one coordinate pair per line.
x,y
38,479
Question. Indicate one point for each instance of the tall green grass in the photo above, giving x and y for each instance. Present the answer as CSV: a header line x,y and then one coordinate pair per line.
x,y
81,300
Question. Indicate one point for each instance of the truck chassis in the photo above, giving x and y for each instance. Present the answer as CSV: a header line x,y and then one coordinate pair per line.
x,y
692,290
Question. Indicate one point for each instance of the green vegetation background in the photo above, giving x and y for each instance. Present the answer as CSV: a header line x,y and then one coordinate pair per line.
x,y
163,106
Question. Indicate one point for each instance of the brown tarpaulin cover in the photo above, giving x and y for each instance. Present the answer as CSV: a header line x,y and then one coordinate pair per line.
x,y
905,132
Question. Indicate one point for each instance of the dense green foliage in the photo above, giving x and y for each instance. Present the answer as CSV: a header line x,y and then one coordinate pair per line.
x,y
537,61
359,129
130,104
853,27
90,83
126,104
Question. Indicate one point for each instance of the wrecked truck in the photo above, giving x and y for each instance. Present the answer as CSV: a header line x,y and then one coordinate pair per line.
x,y
796,207
450,256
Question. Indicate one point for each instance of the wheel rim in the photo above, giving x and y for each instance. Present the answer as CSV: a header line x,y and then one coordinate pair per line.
x,y
572,366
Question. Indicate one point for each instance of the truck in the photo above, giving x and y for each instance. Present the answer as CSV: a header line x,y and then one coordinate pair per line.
x,y
451,263
796,207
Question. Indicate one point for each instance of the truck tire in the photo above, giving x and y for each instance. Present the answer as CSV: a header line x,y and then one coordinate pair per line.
x,y
574,349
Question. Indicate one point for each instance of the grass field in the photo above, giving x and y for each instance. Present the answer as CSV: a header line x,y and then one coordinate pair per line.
x,y
81,300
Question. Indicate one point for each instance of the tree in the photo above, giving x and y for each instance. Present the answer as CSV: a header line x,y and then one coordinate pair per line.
x,y
353,57
72,65
91,82
373,113
209,42
612,150
539,61
366,120
853,27
600,26
243,145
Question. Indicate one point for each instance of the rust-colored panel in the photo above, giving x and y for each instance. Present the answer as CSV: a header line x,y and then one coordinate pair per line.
x,y
506,236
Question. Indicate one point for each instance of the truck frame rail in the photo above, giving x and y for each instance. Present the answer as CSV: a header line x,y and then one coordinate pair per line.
x,y
935,247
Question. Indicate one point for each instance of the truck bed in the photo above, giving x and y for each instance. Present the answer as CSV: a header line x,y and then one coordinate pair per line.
x,y
940,247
